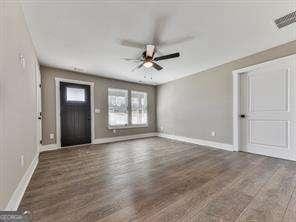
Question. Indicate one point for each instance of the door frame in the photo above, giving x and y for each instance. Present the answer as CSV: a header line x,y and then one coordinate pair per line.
x,y
237,98
38,106
58,107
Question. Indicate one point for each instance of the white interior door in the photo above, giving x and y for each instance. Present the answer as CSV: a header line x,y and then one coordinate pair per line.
x,y
268,109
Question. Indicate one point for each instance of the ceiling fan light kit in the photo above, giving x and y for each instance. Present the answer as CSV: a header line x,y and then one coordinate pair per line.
x,y
148,64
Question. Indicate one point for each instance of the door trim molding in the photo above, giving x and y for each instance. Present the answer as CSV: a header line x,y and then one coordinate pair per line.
x,y
58,107
38,105
236,95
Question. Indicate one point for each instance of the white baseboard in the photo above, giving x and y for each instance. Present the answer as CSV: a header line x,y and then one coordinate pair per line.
x,y
122,138
223,146
103,140
217,145
48,147
21,188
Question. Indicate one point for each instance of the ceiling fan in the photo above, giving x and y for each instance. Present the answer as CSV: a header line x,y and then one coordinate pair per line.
x,y
149,60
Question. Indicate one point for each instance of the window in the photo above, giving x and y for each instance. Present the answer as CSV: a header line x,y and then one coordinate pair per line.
x,y
139,108
118,107
127,109
75,94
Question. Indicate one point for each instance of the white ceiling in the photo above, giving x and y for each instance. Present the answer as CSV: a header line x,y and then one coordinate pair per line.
x,y
88,34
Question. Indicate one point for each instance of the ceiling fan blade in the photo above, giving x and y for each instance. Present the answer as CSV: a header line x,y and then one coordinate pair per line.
x,y
128,59
150,50
138,67
156,66
159,27
176,41
170,56
132,43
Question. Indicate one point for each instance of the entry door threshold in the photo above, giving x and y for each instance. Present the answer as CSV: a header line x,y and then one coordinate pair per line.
x,y
84,144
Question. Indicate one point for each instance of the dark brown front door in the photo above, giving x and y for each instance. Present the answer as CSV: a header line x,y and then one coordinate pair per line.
x,y
75,114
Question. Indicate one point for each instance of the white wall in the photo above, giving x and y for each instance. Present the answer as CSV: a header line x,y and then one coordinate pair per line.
x,y
17,99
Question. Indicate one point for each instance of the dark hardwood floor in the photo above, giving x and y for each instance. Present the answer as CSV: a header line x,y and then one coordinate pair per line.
x,y
157,179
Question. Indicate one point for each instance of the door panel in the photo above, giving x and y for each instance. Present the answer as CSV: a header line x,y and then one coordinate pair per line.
x,y
269,133
268,103
268,90
75,114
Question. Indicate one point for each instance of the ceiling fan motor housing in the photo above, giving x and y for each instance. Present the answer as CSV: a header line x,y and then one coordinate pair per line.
x,y
145,56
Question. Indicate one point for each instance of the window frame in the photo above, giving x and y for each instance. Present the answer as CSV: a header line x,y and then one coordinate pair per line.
x,y
129,111
75,101
123,125
131,116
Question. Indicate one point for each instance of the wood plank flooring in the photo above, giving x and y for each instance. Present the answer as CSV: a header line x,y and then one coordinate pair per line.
x,y
157,179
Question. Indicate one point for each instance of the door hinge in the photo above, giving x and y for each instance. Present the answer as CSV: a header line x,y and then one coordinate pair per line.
x,y
40,141
40,85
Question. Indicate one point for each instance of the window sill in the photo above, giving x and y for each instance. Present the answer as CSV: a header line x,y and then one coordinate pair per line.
x,y
127,127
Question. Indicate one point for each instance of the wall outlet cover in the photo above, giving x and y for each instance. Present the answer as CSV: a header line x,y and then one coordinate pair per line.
x,y
51,136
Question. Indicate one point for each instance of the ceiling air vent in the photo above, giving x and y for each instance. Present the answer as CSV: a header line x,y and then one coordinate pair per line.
x,y
286,20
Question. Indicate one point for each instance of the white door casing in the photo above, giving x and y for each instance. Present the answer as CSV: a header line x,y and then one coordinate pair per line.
x,y
58,107
267,99
38,106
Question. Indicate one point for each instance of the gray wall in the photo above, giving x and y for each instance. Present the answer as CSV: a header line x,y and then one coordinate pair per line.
x,y
17,99
101,101
196,105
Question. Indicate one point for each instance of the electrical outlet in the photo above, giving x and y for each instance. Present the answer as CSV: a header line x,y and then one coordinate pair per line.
x,y
22,160
51,136
213,133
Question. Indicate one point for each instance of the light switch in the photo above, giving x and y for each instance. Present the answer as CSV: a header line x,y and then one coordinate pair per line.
x,y
22,60
51,136
97,110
